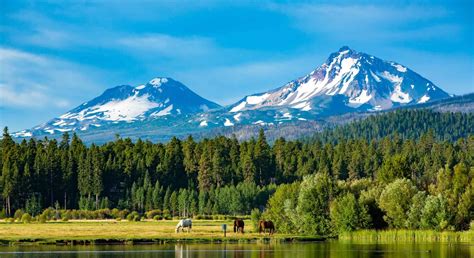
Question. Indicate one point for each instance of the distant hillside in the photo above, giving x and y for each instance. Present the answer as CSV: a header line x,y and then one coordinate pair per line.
x,y
406,123
449,118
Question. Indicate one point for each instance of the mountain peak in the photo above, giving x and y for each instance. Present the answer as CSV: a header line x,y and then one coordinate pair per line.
x,y
344,48
157,81
159,98
348,80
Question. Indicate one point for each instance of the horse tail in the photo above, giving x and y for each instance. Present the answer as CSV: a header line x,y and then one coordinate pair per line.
x,y
235,226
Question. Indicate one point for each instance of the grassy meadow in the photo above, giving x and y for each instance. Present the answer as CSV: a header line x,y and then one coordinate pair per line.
x,y
105,231
163,231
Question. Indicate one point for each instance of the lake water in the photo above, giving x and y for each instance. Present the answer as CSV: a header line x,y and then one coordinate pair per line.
x,y
334,249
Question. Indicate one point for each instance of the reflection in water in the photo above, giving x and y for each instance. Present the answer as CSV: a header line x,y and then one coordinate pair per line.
x,y
333,249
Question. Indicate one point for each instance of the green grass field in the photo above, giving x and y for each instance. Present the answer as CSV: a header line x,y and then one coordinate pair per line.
x,y
125,231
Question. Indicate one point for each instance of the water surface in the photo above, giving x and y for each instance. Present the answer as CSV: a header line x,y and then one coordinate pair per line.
x,y
336,249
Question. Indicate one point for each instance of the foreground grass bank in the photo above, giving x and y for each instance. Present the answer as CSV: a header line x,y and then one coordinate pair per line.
x,y
390,236
125,232
205,231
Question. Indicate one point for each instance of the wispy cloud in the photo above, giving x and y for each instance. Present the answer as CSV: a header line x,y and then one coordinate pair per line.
x,y
32,80
169,46
363,22
32,97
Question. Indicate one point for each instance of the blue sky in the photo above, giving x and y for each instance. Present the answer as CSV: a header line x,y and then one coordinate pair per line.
x,y
55,55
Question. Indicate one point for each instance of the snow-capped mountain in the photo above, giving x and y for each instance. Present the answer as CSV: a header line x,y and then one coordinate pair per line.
x,y
362,79
348,81
160,98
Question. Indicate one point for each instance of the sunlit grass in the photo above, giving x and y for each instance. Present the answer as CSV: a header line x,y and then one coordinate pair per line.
x,y
408,236
124,230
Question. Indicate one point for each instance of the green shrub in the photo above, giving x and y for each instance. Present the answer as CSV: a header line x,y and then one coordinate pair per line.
x,y
255,216
152,213
11,220
65,216
26,218
18,214
42,218
49,213
157,217
115,213
124,213
134,216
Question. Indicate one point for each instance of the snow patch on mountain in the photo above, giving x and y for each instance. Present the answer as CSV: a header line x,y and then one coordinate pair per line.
x,y
203,123
120,110
423,99
239,107
228,122
163,112
364,97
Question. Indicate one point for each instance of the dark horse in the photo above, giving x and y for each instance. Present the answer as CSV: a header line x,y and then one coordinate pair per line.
x,y
239,225
263,225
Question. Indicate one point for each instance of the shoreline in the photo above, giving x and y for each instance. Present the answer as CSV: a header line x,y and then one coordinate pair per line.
x,y
159,241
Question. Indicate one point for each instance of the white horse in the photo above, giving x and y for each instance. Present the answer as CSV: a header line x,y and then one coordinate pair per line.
x,y
184,223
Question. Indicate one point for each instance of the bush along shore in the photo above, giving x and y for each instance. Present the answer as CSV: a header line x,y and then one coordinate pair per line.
x,y
392,236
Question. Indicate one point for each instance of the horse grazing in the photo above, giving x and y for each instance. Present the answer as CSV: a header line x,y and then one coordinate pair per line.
x,y
239,225
263,225
184,223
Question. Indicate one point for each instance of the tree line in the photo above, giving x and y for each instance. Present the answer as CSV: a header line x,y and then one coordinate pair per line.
x,y
407,123
311,186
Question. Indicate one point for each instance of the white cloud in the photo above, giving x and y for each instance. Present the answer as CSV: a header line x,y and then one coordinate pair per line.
x,y
169,46
371,22
32,80
27,98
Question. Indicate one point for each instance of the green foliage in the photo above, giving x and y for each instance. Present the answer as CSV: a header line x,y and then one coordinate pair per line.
x,y
316,191
416,208
434,214
301,184
347,214
134,216
26,218
408,124
255,217
281,207
18,214
151,214
395,200
33,206
42,218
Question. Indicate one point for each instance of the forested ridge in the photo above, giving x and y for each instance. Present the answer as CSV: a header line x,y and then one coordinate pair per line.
x,y
408,124
314,187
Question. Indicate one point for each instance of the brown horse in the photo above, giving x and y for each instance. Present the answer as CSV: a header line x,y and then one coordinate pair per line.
x,y
239,225
263,225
